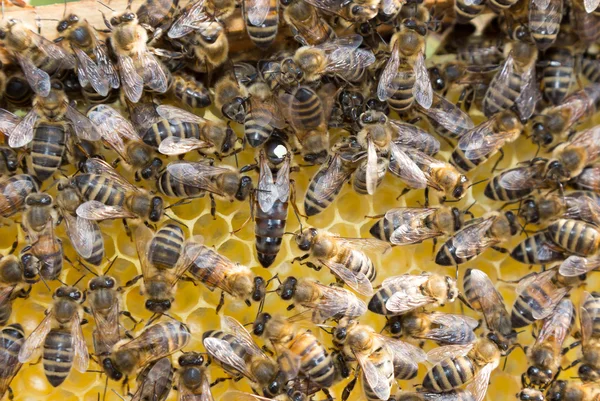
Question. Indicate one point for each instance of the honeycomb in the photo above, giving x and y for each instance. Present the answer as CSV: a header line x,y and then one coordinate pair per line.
x,y
195,305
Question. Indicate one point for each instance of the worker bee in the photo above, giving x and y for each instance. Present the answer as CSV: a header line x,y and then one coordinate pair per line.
x,y
137,66
155,381
516,183
198,13
558,73
13,192
446,118
361,343
306,24
576,237
588,180
339,57
485,140
47,125
410,135
314,362
61,336
189,91
544,21
110,196
279,73
569,158
38,223
37,56
457,365
406,65
192,179
237,353
135,153
94,68
326,302
590,68
343,256
216,271
156,16
514,84
578,205
544,356
453,395
354,11
570,390
443,328
405,293
552,125
209,47
11,338
589,370
155,342
538,249
261,18
194,384
13,284
482,296
406,225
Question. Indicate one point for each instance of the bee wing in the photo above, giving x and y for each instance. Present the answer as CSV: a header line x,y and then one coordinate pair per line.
x,y
502,78
410,228
587,316
557,326
389,7
406,281
529,93
347,58
98,211
412,136
438,354
335,301
175,113
94,165
15,187
241,335
542,4
520,178
156,381
38,79
108,327
365,244
452,329
583,208
56,52
448,116
550,20
478,387
11,368
174,146
348,41
111,123
223,352
89,72
131,82
330,182
404,167
106,67
422,90
82,233
83,126
476,137
550,304
470,240
257,11
487,300
355,280
185,23
282,182
8,121
332,6
371,171
81,359
404,301
403,350
388,85
154,75
590,139
196,174
23,132
591,5
36,338
575,266
376,380
267,191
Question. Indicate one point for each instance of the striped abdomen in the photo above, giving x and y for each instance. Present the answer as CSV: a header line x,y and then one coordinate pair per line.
x,y
384,365
481,52
404,369
359,182
5,310
48,249
575,236
543,30
499,98
377,302
586,26
356,261
168,337
264,35
592,306
11,340
557,79
384,228
314,203
168,186
164,129
315,362
536,297
463,164
99,188
238,349
269,229
537,250
166,247
12,201
94,97
255,129
447,256
499,5
98,249
190,92
465,13
58,356
495,191
47,149
590,68
17,91
402,100
449,374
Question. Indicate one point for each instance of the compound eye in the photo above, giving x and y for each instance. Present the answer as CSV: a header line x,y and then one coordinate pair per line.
x,y
357,10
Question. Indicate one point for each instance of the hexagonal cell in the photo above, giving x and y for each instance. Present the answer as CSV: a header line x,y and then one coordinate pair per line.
x,y
191,209
213,230
237,251
186,297
239,219
353,208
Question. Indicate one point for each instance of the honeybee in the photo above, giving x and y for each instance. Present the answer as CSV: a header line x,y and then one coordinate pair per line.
x,y
306,24
61,336
279,73
454,395
37,56
538,249
189,91
544,21
576,237
192,179
343,256
516,183
341,57
457,365
137,66
485,140
410,135
155,381
13,285
405,293
38,223
545,355
135,153
559,73
156,16
482,296
325,301
17,90
261,18
407,48
209,46
570,158
579,205
443,328
301,347
194,384
589,369
553,124
234,349
407,225
13,192
570,390
585,24
514,84
199,12
361,343
155,342
11,338
216,271
447,119
110,196
94,68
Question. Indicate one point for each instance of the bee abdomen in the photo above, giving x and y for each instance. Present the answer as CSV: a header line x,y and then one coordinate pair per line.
x,y
590,69
47,149
383,229
446,256
358,262
493,190
98,249
557,79
5,312
256,133
16,198
403,370
498,99
464,164
191,92
58,356
166,246
403,99
314,205
315,362
11,340
527,251
377,302
269,229
449,374
575,236
263,36
99,188
173,188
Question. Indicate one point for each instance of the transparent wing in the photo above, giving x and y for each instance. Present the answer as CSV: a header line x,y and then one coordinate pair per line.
x,y
542,4
331,180
15,187
131,82
345,59
84,128
371,173
406,281
336,301
106,66
267,191
333,6
185,23
410,227
589,312
36,338
111,123
89,72
38,80
529,93
557,326
403,350
478,387
472,239
422,89
23,132
449,116
364,244
197,175
82,234
550,21
98,211
412,136
174,146
575,266
257,11
520,178
401,302
8,122
476,137
374,377
223,352
242,336
143,243
485,298
550,304
154,75
282,182
175,113
355,280
388,85
404,167
81,359
582,208
98,166
438,354
54,51
502,78
590,5
348,41
452,329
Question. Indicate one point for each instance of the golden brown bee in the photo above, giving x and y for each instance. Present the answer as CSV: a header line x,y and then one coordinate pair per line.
x,y
156,16
403,226
155,342
443,328
569,158
262,21
354,11
194,383
13,192
190,91
446,118
545,355
262,116
61,336
307,26
466,10
585,24
209,46
199,12
11,338
576,237
559,73
343,256
154,382
571,390
588,180
402,294
325,301
37,56
538,249
454,395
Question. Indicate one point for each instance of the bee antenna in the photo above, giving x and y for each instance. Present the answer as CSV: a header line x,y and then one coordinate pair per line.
x,y
152,319
111,9
174,219
478,182
78,280
65,13
87,268
118,395
111,265
129,2
178,203
236,159
289,233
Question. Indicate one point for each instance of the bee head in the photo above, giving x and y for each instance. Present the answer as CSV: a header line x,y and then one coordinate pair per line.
x,y
529,211
31,272
287,289
259,290
152,169
111,370
556,392
258,328
458,218
101,282
539,375
244,188
68,292
530,394
461,187
588,374
158,305
512,222
156,209
305,239
191,359
395,325
555,170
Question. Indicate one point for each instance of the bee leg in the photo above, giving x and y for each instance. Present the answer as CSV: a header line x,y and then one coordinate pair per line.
x,y
499,160
221,302
500,249
213,207
127,229
267,350
219,380
128,315
572,364
11,395
404,192
13,248
300,258
189,279
327,394
570,347
349,387
293,201
377,216
130,282
434,246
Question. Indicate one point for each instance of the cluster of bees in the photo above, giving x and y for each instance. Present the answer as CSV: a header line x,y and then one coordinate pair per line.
x,y
103,123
